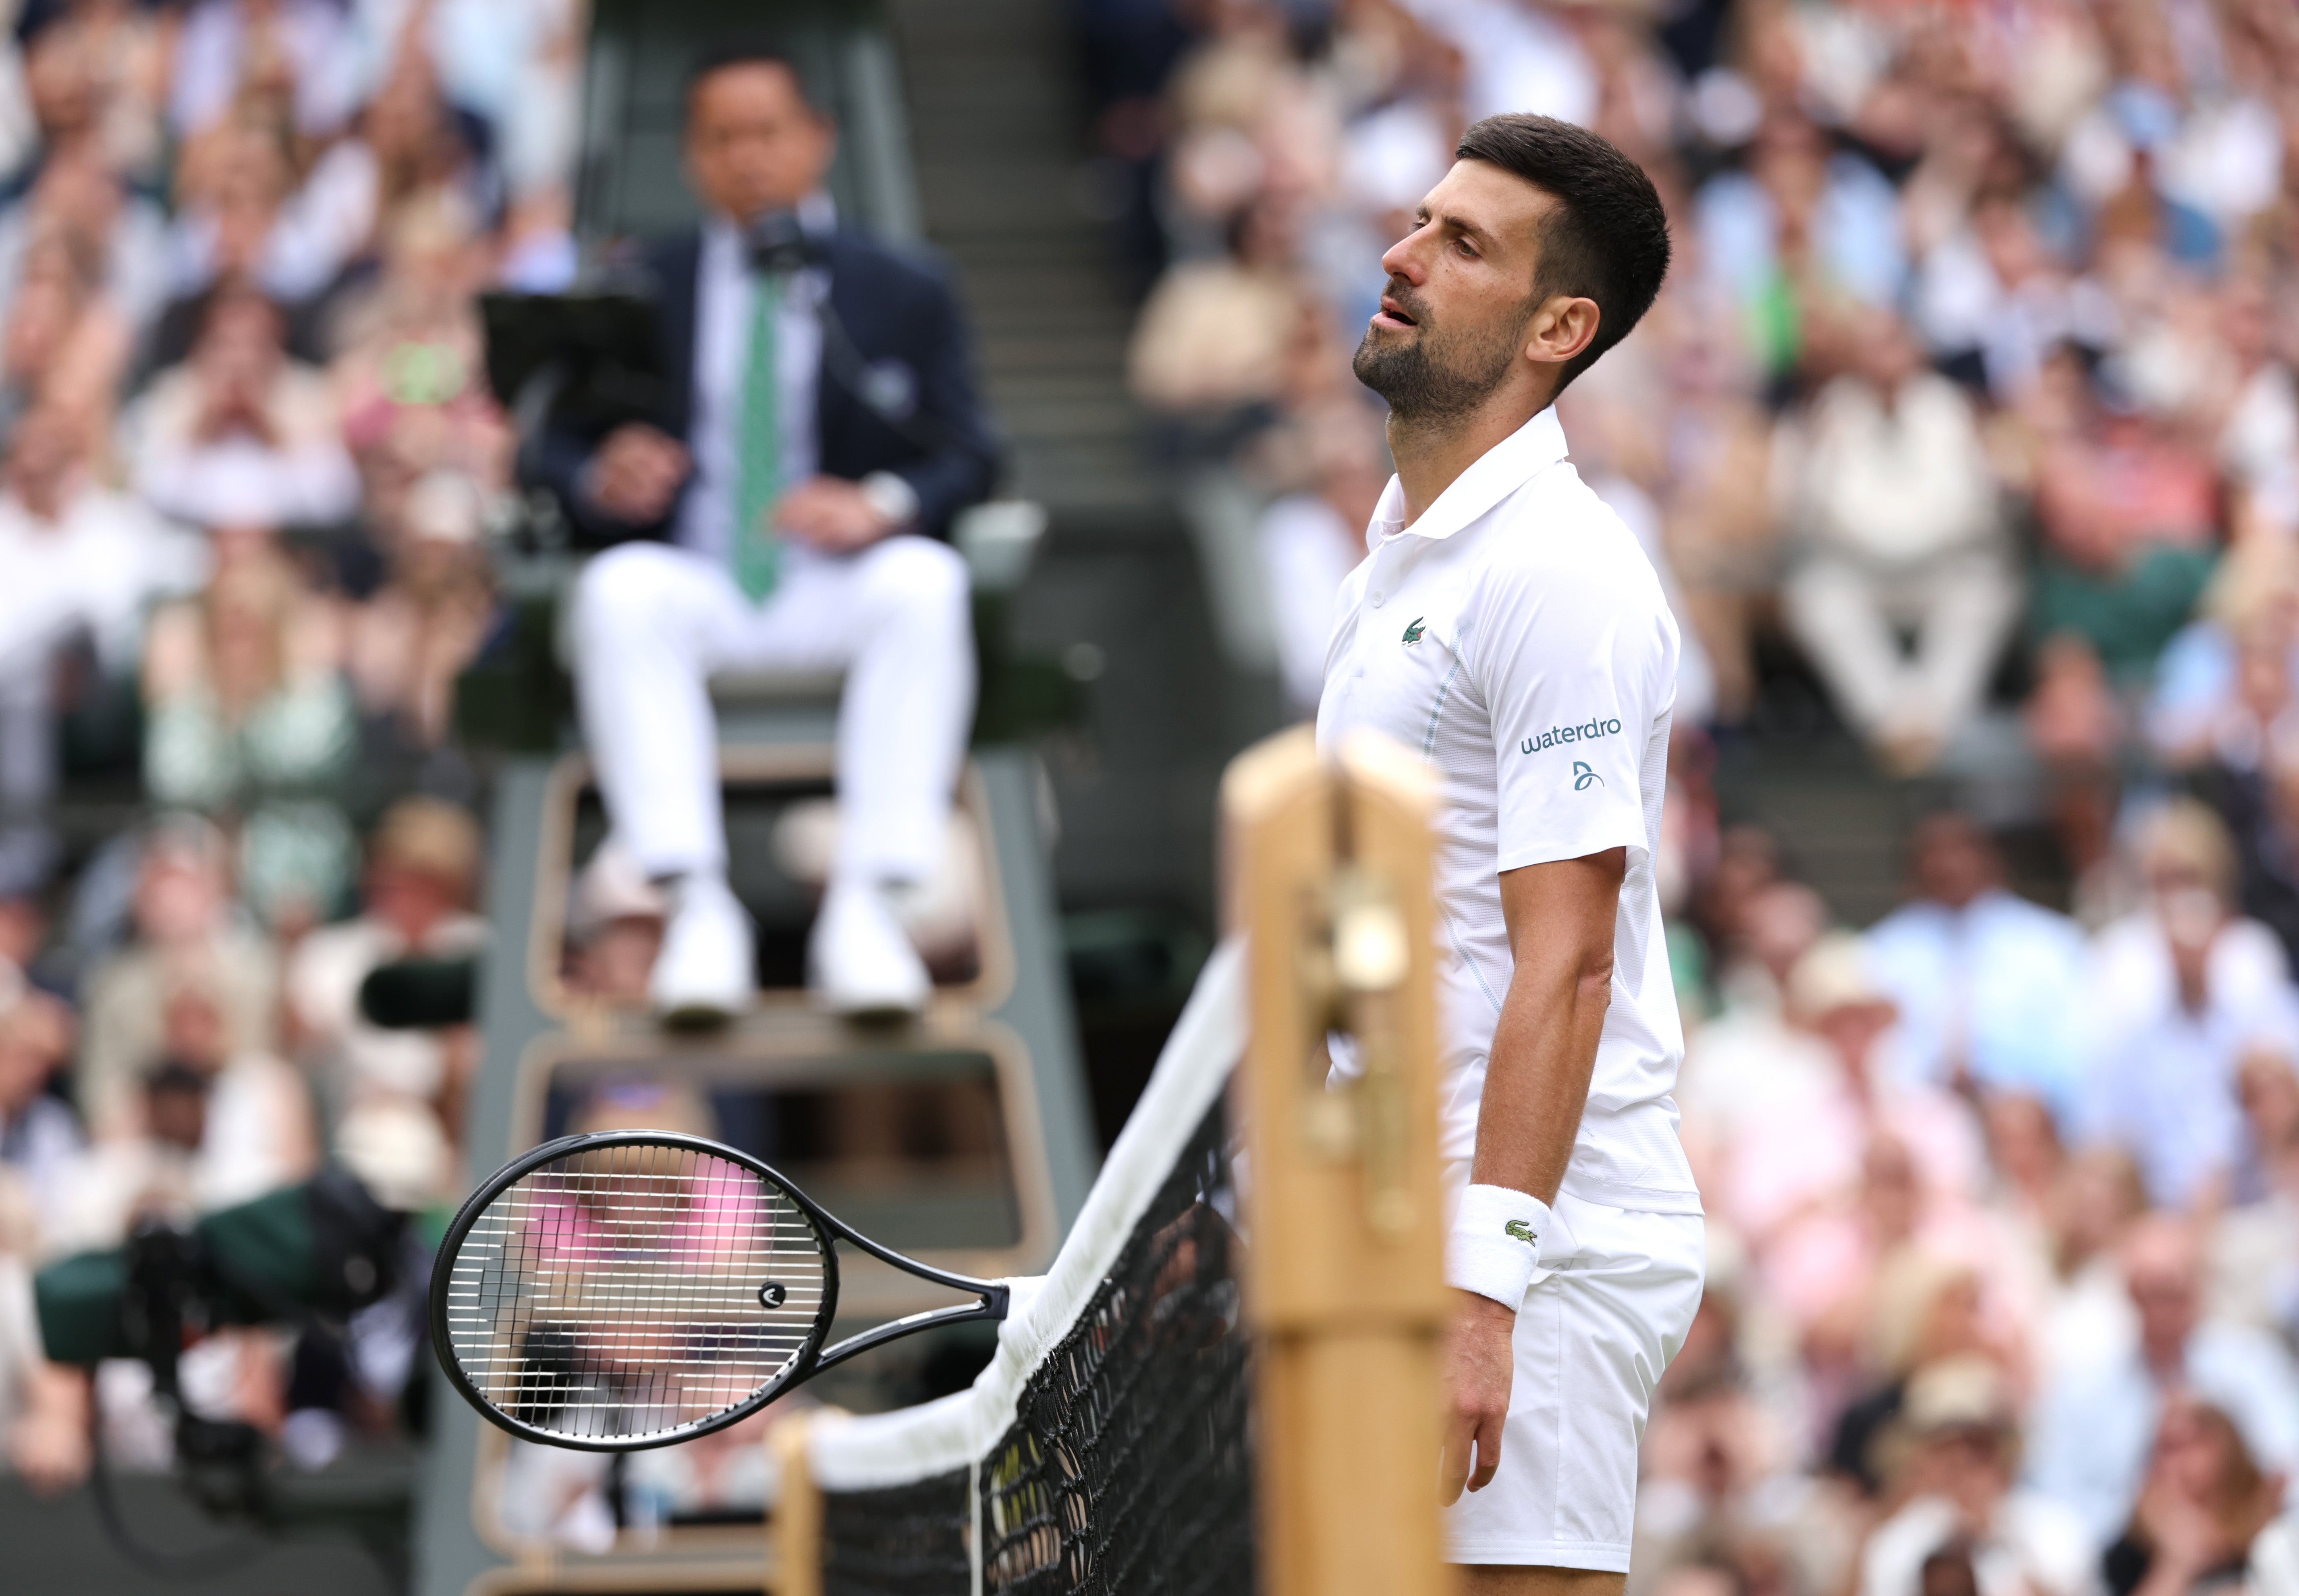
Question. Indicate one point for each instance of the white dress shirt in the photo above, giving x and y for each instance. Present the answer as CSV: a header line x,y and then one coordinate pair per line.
x,y
2000,985
92,569
723,288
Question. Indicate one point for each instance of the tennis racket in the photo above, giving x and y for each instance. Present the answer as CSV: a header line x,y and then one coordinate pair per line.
x,y
627,1289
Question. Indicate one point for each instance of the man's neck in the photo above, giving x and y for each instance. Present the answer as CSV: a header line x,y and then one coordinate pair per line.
x,y
1431,455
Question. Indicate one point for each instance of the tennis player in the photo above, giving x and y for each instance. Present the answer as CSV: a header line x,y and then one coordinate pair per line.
x,y
1506,623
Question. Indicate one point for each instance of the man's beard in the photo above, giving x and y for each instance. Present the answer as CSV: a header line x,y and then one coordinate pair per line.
x,y
1431,378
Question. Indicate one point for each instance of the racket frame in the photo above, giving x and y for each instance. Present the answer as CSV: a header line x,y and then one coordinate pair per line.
x,y
992,1296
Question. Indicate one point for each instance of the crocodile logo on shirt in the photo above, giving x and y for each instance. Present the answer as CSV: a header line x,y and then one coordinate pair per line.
x,y
1522,1230
1413,632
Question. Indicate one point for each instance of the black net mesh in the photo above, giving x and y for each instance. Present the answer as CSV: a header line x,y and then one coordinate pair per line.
x,y
906,1541
1128,1471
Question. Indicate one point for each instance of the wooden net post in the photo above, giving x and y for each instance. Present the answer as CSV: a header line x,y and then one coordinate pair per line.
x,y
1330,870
794,1528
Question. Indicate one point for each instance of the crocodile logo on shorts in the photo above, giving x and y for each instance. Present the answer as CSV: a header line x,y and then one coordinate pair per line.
x,y
1413,632
1522,1230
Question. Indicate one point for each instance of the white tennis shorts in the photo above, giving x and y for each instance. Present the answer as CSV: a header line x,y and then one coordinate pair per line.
x,y
1610,1304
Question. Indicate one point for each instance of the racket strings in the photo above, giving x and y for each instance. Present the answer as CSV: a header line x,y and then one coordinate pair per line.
x,y
633,1291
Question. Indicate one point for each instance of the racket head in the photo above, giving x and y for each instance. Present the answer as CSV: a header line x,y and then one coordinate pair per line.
x,y
628,1289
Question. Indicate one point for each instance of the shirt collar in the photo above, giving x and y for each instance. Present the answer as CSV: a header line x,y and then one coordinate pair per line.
x,y
1494,475
818,214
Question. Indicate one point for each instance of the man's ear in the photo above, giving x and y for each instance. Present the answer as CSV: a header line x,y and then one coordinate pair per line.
x,y
1564,326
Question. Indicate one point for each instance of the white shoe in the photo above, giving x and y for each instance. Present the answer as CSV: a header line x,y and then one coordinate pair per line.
x,y
706,973
859,962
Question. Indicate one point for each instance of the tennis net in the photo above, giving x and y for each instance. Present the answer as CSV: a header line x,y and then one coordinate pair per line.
x,y
1105,1449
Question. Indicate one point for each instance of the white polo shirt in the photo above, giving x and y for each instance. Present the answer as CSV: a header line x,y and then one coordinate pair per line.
x,y
1517,637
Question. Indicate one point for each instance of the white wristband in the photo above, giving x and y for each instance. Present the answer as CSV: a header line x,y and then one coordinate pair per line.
x,y
1495,1243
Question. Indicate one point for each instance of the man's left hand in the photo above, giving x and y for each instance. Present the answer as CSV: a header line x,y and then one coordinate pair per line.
x,y
831,514
1480,1367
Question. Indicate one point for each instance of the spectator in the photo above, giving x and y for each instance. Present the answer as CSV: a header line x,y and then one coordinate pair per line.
x,y
240,435
40,1142
614,928
1315,536
187,932
512,65
122,49
291,58
407,644
116,237
2262,810
75,561
411,376
2203,1505
248,720
59,346
1740,1060
2259,430
1895,501
2087,1317
2223,688
215,1128
2266,1085
2130,530
2256,1251
2094,1424
409,150
43,1406
2183,989
1216,337
1960,1503
1990,988
242,216
422,877
1803,1150
792,546
1799,225
1720,511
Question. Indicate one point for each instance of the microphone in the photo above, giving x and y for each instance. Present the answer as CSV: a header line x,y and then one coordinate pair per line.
x,y
779,243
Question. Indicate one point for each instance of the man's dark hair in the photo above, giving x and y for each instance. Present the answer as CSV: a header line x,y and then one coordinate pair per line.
x,y
720,54
1607,238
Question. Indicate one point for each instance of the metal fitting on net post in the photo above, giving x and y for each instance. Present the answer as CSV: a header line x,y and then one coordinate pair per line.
x,y
1354,961
1373,954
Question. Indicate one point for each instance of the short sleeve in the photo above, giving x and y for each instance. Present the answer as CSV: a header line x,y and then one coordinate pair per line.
x,y
1577,666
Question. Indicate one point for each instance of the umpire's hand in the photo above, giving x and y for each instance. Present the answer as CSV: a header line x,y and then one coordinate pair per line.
x,y
636,474
1480,1363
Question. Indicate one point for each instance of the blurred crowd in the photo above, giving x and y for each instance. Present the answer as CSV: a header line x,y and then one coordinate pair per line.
x,y
2003,1231
248,459
1969,412
1970,404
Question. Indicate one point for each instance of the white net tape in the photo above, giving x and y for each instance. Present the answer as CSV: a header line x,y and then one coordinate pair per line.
x,y
917,1443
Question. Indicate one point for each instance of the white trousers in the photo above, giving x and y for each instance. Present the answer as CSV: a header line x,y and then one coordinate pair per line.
x,y
652,623
1846,614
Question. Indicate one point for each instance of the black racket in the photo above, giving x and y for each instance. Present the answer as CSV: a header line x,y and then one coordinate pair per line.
x,y
627,1289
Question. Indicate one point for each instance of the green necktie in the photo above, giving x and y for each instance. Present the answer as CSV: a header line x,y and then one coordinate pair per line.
x,y
757,552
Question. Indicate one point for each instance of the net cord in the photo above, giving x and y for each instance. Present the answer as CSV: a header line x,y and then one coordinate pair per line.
x,y
879,1451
